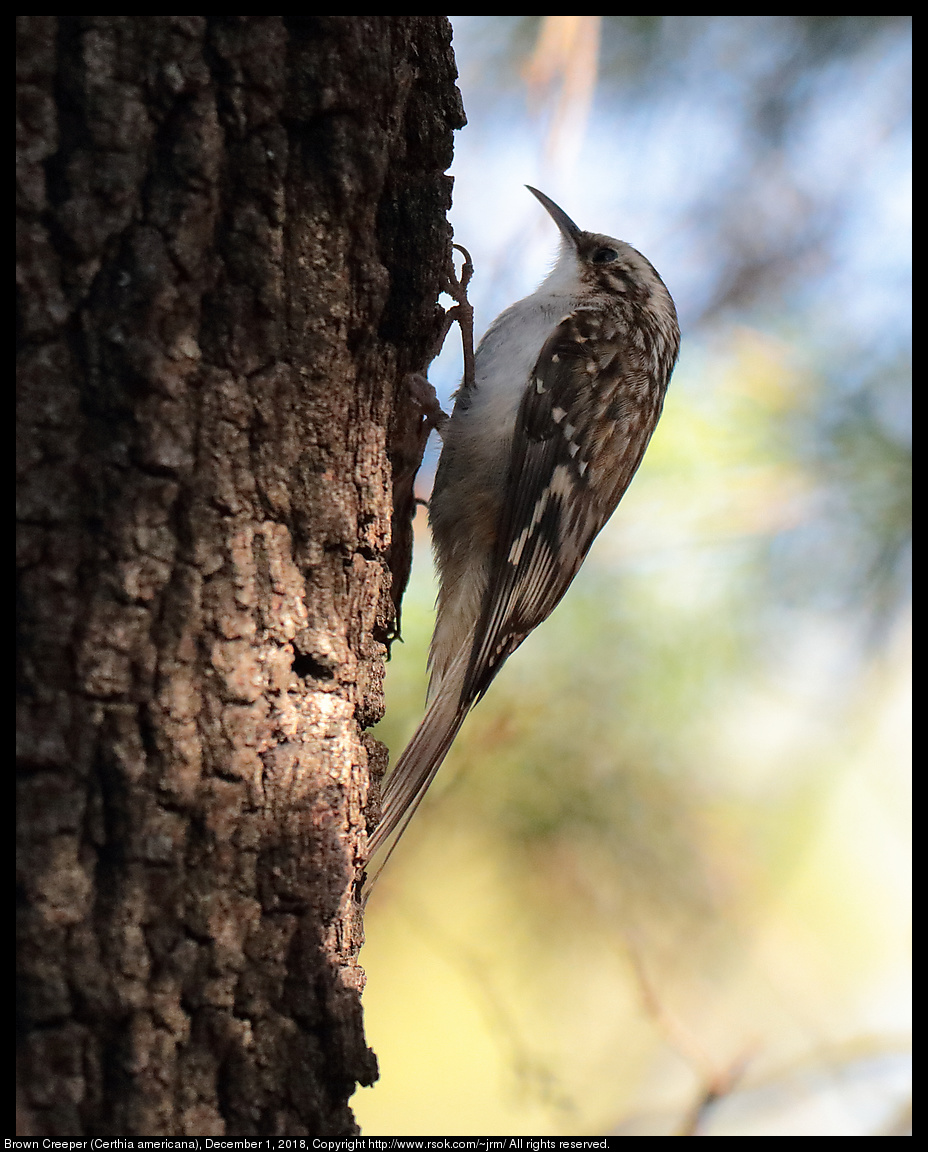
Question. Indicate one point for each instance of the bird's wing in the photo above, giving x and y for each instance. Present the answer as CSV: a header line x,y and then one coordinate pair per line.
x,y
584,422
583,425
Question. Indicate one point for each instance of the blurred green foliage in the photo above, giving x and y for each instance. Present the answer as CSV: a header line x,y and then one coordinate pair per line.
x,y
688,784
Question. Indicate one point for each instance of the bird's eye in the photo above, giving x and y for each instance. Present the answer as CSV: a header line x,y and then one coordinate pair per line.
x,y
605,255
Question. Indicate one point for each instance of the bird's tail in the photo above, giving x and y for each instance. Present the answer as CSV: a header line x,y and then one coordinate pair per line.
x,y
422,757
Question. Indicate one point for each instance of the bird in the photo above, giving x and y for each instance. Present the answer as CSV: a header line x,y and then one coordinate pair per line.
x,y
567,388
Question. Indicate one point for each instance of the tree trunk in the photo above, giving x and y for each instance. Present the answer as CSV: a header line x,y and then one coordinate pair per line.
x,y
231,243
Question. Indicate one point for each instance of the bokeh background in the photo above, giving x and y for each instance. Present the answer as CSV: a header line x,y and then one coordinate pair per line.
x,y
661,885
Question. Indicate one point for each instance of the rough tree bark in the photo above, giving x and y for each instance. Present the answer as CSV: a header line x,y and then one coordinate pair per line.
x,y
232,238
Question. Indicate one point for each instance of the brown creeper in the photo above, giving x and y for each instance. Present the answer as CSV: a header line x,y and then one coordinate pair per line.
x,y
543,442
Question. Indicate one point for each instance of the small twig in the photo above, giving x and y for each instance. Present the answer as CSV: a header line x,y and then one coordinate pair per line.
x,y
716,1082
720,1084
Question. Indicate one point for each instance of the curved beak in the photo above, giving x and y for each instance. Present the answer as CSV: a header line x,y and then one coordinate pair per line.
x,y
569,229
